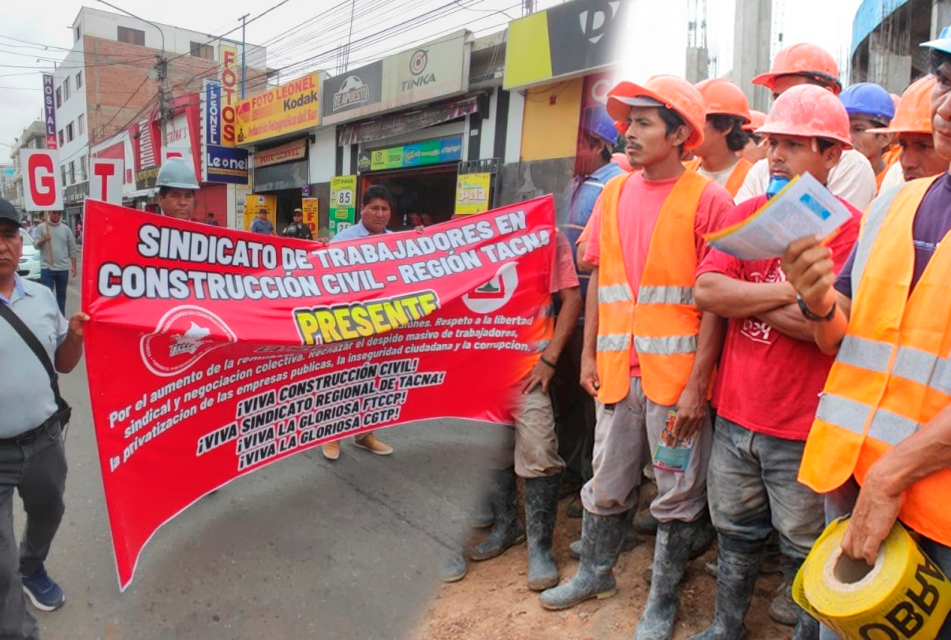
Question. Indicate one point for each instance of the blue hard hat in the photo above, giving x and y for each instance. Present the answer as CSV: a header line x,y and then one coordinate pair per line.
x,y
942,42
869,99
599,124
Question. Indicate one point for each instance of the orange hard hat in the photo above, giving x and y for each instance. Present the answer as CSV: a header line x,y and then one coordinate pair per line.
x,y
810,112
724,98
913,114
661,91
620,159
757,120
803,60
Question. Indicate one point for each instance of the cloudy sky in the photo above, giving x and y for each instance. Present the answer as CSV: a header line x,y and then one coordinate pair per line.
x,y
35,35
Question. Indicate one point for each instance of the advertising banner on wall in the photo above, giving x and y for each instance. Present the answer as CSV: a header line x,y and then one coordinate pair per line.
x,y
433,70
417,154
310,208
343,203
253,203
472,193
362,335
568,40
293,106
221,163
49,110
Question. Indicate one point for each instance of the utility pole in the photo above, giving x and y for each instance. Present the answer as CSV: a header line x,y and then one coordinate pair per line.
x,y
243,46
161,74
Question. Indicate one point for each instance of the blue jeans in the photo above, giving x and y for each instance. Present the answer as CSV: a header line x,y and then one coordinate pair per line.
x,y
56,281
840,502
753,488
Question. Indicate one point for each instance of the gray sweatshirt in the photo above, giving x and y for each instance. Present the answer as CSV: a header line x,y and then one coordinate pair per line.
x,y
56,254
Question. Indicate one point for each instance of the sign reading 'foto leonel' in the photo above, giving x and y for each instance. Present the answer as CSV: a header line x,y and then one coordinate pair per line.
x,y
293,106
238,350
290,152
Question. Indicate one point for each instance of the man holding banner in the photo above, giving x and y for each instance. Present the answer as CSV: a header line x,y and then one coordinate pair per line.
x,y
57,246
34,335
177,188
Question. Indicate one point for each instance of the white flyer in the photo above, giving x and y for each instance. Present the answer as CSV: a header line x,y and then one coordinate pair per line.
x,y
803,208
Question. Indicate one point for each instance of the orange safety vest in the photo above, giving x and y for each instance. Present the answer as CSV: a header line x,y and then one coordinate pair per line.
x,y
737,176
663,321
892,374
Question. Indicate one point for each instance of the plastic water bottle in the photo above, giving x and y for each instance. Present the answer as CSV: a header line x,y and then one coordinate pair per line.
x,y
776,184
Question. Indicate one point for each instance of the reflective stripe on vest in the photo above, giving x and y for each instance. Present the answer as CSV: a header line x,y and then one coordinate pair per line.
x,y
614,293
665,295
892,374
669,345
617,342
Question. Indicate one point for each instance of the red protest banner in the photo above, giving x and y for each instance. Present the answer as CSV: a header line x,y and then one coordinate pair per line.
x,y
212,353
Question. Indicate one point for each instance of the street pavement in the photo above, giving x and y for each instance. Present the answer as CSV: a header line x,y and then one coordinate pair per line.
x,y
304,548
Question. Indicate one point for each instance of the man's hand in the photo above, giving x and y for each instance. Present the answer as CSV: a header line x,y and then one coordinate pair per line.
x,y
72,271
809,268
541,374
873,517
589,374
76,322
691,410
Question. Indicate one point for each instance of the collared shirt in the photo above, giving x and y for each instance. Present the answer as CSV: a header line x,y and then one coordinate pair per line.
x,y
25,392
353,232
583,199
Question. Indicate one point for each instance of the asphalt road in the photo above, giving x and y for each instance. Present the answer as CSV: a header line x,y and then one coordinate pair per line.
x,y
304,548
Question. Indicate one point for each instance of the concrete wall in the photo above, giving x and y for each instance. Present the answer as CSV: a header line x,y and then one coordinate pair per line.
x,y
752,29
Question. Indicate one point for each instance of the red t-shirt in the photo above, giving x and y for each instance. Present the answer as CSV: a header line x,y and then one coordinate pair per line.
x,y
768,382
638,209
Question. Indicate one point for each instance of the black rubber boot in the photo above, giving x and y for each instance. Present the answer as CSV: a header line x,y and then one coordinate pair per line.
x,y
541,509
601,541
629,538
807,627
507,529
671,554
453,567
481,516
736,578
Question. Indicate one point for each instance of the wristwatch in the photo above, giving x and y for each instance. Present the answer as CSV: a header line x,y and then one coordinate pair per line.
x,y
809,315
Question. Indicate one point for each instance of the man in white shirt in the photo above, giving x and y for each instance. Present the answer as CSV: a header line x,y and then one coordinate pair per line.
x,y
853,178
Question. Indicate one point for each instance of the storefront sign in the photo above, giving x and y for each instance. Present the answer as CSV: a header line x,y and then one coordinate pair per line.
x,y
353,93
290,152
42,186
310,208
277,177
358,336
343,203
434,70
226,165
387,127
412,155
211,114
291,107
49,111
567,40
230,67
472,193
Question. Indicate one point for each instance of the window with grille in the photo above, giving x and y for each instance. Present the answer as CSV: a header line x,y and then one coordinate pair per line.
x,y
69,132
81,123
79,80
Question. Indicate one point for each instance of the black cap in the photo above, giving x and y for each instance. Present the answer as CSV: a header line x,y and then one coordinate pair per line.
x,y
9,212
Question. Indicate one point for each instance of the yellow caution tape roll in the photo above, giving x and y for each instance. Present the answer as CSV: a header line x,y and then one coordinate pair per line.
x,y
904,595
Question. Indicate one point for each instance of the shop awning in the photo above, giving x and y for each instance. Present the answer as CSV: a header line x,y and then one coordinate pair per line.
x,y
141,193
407,121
